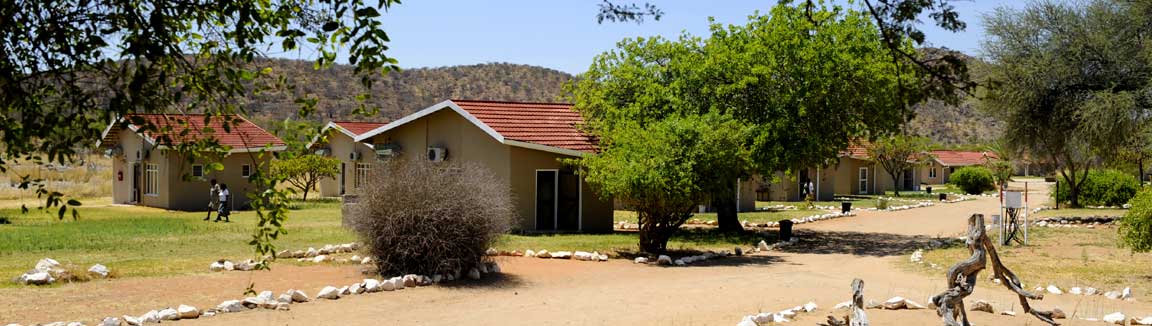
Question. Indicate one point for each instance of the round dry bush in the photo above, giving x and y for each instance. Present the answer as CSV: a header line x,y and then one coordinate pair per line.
x,y
420,217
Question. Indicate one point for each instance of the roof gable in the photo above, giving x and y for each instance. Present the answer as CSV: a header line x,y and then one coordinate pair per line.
x,y
356,128
550,127
243,135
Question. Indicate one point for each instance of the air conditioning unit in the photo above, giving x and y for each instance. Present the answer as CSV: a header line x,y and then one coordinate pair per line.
x,y
437,154
355,156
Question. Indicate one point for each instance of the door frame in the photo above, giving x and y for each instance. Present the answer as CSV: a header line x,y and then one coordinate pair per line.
x,y
343,176
862,179
555,198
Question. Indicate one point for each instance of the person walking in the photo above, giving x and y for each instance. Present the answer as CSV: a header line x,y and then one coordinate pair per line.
x,y
225,209
213,199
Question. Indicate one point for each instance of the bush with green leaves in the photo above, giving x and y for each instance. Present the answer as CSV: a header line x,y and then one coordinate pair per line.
x,y
305,172
1102,188
974,180
1136,225
427,218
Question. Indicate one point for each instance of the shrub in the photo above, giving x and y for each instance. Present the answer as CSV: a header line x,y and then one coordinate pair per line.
x,y
430,218
1136,225
1102,188
974,180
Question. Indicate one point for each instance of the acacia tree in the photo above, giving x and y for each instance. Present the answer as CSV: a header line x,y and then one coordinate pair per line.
x,y
897,154
306,171
665,168
1070,80
807,80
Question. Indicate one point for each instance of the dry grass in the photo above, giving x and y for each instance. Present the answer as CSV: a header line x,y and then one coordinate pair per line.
x,y
91,179
1075,257
1081,212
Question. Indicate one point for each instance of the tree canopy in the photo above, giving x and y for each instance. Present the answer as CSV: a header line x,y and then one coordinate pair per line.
x,y
1071,81
305,172
897,153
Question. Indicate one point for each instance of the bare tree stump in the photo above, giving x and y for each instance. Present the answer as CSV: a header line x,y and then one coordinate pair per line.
x,y
857,317
962,279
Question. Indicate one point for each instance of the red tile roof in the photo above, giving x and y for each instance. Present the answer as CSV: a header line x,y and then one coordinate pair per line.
x,y
357,127
856,149
962,158
548,124
243,134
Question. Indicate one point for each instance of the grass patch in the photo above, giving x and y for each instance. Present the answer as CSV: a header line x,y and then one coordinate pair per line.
x,y
1080,212
627,242
755,217
141,241
1064,257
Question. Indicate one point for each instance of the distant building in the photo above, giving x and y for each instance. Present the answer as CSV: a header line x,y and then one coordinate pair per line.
x,y
356,158
939,170
148,172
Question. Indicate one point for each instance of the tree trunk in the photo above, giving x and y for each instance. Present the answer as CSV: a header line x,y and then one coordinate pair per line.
x,y
895,184
654,240
726,217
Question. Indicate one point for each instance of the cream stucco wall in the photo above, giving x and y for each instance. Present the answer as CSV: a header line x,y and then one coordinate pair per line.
x,y
341,146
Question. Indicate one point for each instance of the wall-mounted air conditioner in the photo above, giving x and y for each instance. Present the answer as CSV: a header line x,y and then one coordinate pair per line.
x,y
437,154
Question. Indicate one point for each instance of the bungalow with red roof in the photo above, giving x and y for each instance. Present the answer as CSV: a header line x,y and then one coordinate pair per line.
x,y
854,173
939,169
148,171
356,158
521,143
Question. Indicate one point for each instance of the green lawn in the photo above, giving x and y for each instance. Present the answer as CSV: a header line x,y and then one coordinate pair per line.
x,y
139,241
755,217
626,242
856,203
1081,212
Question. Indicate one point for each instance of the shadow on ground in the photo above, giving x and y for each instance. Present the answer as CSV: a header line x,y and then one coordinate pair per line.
x,y
857,243
490,281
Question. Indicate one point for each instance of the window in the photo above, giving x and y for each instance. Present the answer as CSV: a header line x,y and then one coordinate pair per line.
x,y
362,173
863,186
151,179
245,170
932,173
197,171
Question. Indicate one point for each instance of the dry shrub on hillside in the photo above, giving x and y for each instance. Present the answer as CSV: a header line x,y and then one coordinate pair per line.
x,y
430,218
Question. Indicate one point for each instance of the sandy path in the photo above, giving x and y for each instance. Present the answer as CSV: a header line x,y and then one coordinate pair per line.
x,y
552,292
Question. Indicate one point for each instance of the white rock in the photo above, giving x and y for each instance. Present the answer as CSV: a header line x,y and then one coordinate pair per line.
x,y
229,266
320,258
1112,295
357,288
355,258
110,321
187,312
47,265
810,307
282,306
253,302
266,296
474,274
640,260
894,303
37,278
1075,291
1144,321
664,260
409,280
913,305
216,266
562,254
1053,289
312,252
168,314
387,285
747,321
99,270
678,262
1091,291
230,306
543,254
529,253
1126,294
1115,318
583,255
372,285
328,292
843,305
366,261
299,296
344,290
787,313
131,320
763,246
398,282
285,298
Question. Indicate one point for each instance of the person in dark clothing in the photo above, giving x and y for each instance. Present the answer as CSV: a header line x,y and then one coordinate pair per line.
x,y
225,204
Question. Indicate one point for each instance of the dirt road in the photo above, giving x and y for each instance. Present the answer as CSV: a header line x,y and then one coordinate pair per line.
x,y
553,292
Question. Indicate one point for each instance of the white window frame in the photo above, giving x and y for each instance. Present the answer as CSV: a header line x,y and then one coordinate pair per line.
x,y
245,170
932,172
862,180
197,166
151,179
361,175
555,199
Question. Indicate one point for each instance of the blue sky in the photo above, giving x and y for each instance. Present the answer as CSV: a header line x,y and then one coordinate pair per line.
x,y
564,35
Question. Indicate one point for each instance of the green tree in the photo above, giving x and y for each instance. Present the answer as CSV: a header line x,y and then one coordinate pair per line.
x,y
807,80
306,171
665,168
69,67
1000,162
1136,225
897,154
1069,80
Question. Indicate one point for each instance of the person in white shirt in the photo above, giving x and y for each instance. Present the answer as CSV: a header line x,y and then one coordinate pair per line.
x,y
225,206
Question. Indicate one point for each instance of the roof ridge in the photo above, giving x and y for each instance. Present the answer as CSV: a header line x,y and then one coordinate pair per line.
x,y
510,102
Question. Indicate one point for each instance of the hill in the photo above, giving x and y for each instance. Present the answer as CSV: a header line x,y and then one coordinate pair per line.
x,y
954,125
